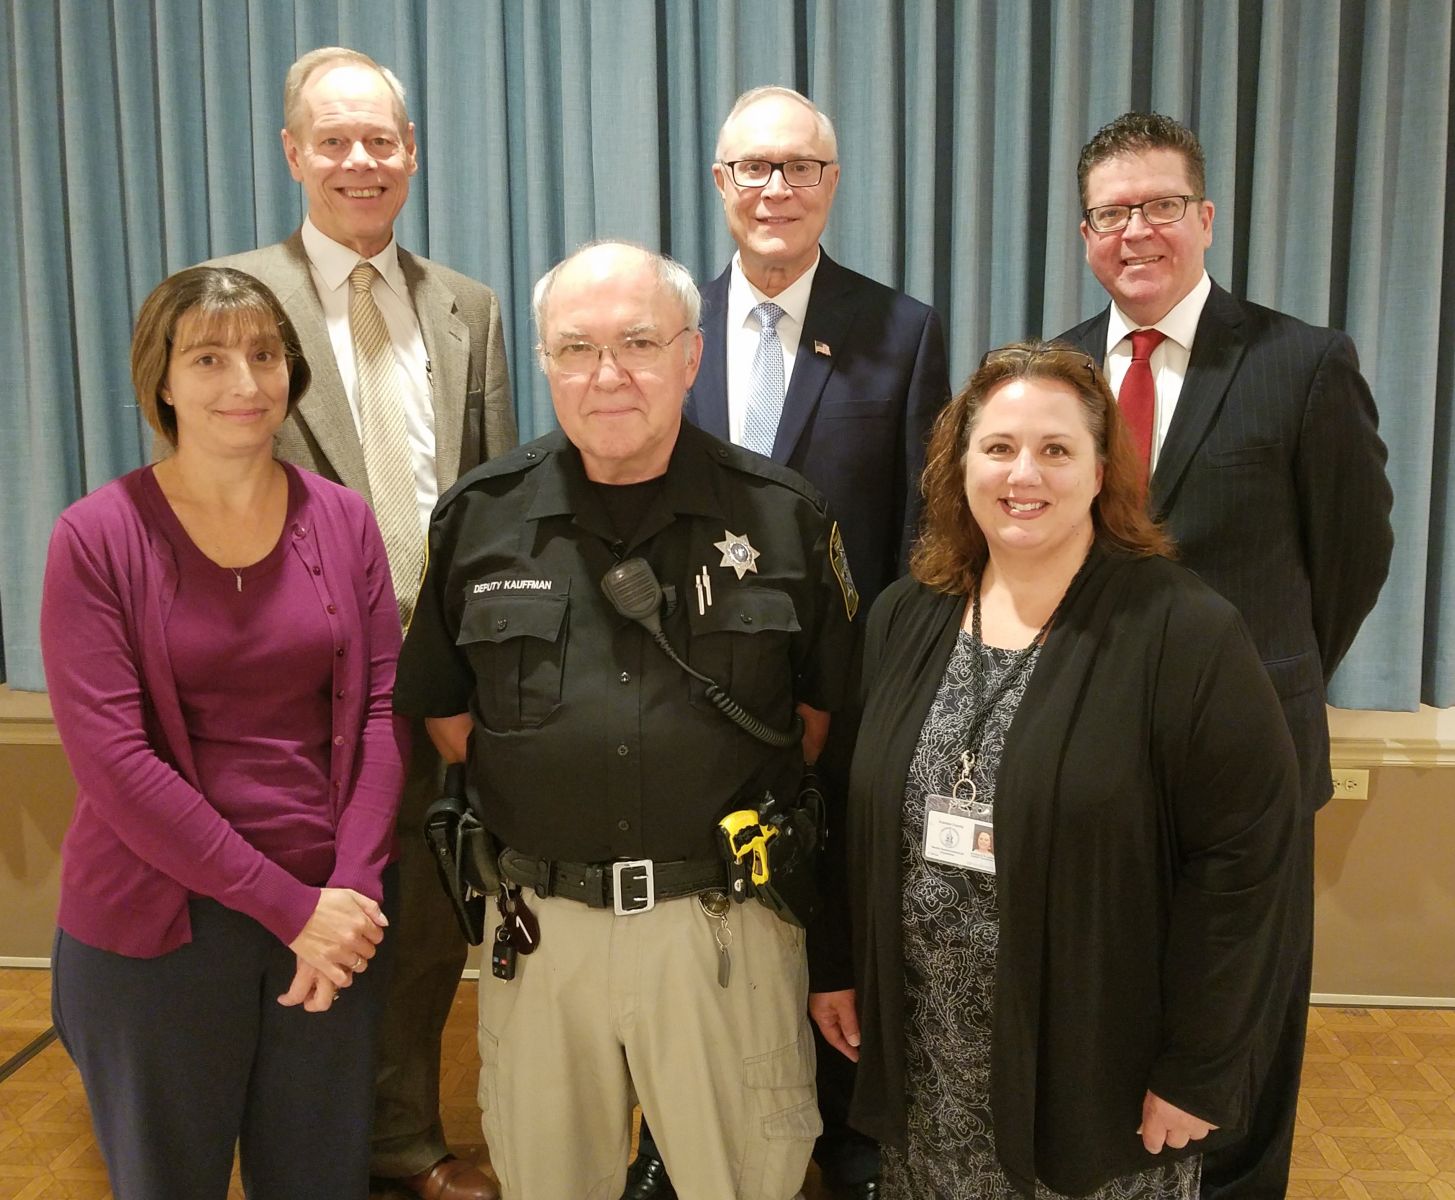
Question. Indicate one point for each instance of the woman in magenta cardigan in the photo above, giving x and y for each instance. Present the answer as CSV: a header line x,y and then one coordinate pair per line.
x,y
219,634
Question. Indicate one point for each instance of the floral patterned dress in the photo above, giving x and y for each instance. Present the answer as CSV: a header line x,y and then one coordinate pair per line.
x,y
951,930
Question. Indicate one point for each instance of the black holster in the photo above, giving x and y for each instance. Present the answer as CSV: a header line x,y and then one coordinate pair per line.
x,y
791,891
464,853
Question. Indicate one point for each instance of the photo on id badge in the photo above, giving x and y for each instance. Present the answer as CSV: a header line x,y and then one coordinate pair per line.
x,y
959,833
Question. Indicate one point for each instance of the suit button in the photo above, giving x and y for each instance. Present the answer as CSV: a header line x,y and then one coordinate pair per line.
x,y
622,751
626,677
502,623
623,825
746,618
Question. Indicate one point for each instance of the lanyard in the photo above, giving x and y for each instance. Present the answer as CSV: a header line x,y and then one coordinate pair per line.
x,y
1019,667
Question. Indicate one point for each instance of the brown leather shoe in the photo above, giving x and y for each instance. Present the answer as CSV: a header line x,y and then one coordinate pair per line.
x,y
451,1179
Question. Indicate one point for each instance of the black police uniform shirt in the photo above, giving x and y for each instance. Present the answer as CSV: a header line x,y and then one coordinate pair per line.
x,y
589,743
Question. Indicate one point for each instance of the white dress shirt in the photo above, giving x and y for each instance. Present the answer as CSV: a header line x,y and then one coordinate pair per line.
x,y
743,333
331,264
1169,360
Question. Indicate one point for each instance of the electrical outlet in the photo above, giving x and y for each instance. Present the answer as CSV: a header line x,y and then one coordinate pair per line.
x,y
1351,783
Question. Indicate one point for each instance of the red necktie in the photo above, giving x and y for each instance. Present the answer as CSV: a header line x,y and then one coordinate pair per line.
x,y
1138,397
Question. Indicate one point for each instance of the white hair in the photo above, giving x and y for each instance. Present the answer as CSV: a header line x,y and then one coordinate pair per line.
x,y
826,132
671,275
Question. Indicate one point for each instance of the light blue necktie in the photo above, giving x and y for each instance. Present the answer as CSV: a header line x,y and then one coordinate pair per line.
x,y
765,401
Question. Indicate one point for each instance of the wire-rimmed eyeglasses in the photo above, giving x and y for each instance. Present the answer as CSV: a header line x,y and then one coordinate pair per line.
x,y
635,352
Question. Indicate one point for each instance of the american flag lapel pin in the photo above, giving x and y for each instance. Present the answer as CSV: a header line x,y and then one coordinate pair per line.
x,y
822,348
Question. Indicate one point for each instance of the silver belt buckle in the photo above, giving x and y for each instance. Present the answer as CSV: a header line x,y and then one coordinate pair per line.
x,y
633,888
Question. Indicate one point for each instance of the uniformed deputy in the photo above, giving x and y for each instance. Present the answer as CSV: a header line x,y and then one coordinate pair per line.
x,y
603,767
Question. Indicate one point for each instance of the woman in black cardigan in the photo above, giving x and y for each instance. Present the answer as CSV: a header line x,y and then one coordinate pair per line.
x,y
1075,1013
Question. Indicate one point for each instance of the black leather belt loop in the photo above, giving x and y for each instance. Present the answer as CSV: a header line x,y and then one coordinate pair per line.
x,y
625,886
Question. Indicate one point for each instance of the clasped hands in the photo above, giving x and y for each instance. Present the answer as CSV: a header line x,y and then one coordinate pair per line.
x,y
1163,1124
336,944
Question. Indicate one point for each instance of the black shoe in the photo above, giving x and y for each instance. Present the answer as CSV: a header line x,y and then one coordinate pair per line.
x,y
868,1190
646,1179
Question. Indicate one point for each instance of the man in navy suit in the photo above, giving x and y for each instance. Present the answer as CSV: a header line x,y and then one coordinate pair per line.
x,y
1267,467
858,379
864,365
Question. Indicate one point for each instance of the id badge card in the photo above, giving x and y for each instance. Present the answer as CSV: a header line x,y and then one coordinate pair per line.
x,y
959,833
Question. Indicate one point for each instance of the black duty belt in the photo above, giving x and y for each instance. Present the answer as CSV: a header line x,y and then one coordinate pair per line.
x,y
629,885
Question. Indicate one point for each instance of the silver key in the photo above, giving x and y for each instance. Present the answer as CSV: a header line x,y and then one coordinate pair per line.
x,y
715,907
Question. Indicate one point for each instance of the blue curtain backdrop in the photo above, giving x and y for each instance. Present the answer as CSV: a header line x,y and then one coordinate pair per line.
x,y
143,137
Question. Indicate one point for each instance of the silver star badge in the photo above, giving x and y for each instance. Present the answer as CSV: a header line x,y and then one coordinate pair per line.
x,y
737,553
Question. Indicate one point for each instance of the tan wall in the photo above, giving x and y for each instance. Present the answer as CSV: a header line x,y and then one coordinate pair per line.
x,y
1384,875
1384,882
37,792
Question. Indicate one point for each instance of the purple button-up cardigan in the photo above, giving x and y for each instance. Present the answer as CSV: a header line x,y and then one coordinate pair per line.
x,y
144,839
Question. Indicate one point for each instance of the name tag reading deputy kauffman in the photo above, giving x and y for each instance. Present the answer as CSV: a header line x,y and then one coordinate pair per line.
x,y
513,585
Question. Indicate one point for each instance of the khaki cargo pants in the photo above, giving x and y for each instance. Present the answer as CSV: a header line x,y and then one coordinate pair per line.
x,y
615,1008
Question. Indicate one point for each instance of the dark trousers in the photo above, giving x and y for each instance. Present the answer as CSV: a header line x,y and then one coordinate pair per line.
x,y
429,956
188,1055
844,1155
1256,1167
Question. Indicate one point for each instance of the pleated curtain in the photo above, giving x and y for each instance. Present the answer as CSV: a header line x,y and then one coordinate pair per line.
x,y
143,137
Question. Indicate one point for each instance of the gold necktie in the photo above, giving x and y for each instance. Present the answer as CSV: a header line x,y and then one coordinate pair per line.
x,y
387,455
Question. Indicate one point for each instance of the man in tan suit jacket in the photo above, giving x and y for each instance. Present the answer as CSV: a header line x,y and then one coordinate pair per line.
x,y
349,141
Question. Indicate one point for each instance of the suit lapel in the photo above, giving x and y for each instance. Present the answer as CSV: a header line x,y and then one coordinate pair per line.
x,y
831,307
707,406
1217,349
324,410
1090,338
447,349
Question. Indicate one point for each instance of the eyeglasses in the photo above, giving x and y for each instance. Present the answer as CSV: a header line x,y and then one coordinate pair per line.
x,y
797,172
632,353
1165,210
1024,355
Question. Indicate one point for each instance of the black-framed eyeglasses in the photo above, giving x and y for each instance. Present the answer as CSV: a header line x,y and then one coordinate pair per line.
x,y
797,172
1164,210
636,352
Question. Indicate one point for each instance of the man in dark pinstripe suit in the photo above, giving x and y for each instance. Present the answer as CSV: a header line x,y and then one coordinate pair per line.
x,y
1268,469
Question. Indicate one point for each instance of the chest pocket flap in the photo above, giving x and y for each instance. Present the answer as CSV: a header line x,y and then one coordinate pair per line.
x,y
748,610
499,618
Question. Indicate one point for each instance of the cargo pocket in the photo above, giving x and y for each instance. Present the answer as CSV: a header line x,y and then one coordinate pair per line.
x,y
782,1109
741,643
489,1062
492,1115
516,646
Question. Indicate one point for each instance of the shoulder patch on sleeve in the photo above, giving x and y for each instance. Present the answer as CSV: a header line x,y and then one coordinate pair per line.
x,y
840,562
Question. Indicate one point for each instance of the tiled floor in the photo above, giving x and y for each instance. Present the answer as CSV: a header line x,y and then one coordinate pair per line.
x,y
1376,1118
1377,1110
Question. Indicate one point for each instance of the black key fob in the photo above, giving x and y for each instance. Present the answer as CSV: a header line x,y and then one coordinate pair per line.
x,y
525,930
520,924
502,954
